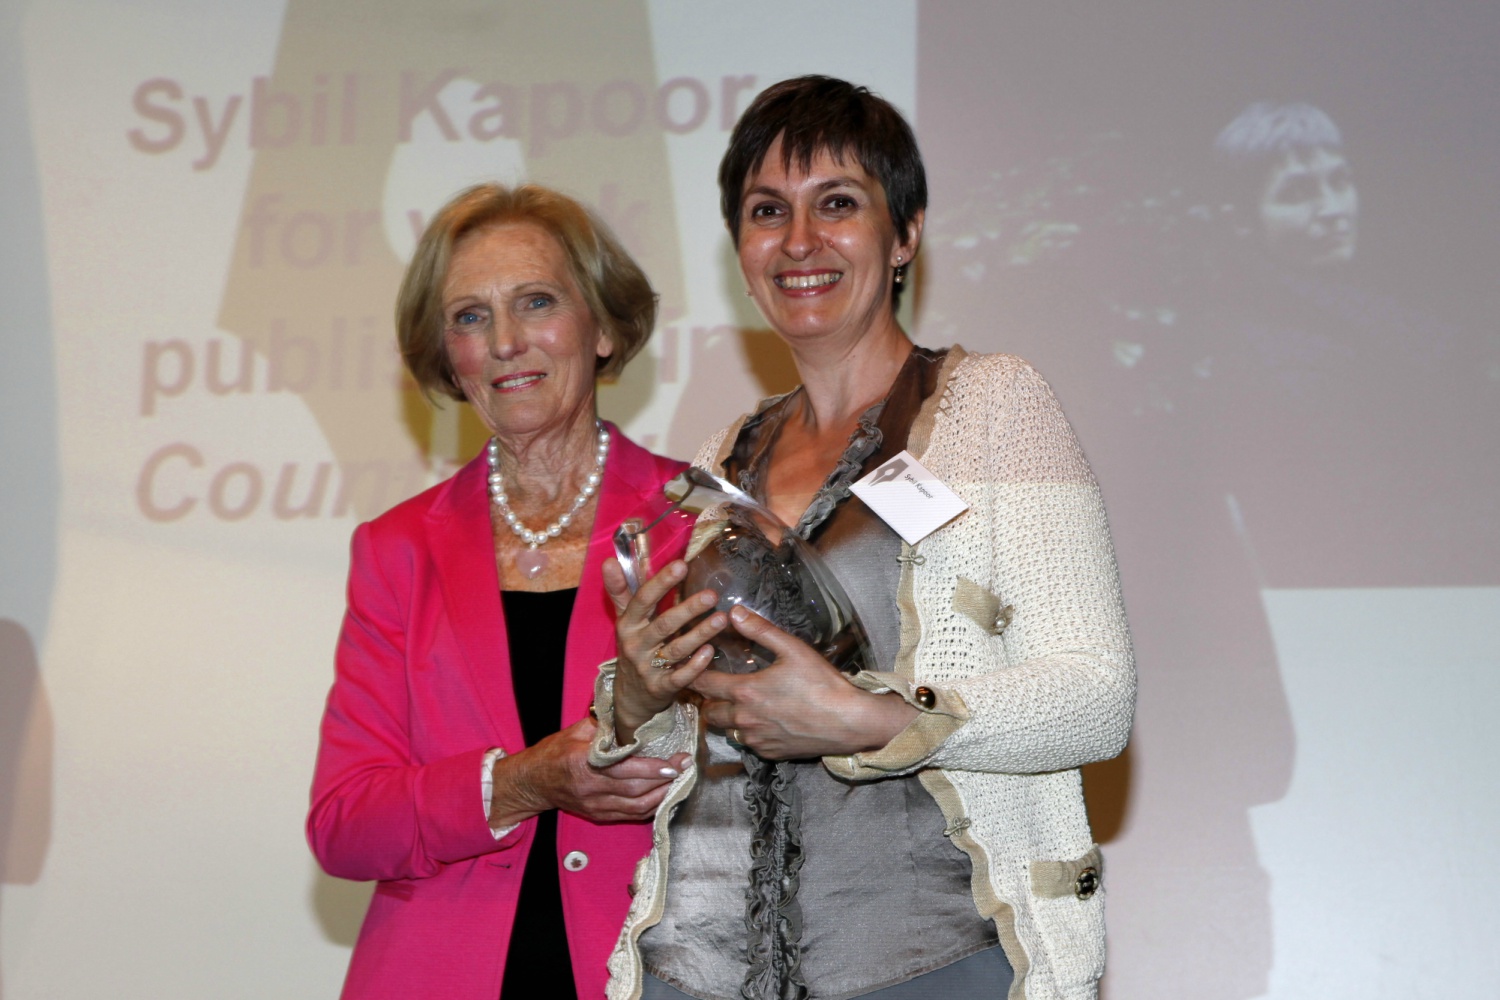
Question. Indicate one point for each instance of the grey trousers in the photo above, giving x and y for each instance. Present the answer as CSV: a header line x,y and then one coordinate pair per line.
x,y
985,975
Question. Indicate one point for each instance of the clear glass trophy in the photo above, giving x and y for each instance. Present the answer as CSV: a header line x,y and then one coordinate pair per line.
x,y
741,551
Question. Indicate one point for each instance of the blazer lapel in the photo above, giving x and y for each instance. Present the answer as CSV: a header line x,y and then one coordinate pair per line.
x,y
462,545
464,550
631,475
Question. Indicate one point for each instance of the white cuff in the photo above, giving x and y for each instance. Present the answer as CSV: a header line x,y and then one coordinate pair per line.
x,y
487,789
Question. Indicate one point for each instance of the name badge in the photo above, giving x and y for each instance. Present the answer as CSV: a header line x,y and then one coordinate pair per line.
x,y
913,501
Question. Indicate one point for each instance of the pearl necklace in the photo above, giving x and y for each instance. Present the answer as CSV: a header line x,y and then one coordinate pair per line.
x,y
531,562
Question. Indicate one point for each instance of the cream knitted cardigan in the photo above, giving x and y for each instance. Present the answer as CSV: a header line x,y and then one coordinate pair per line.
x,y
1011,617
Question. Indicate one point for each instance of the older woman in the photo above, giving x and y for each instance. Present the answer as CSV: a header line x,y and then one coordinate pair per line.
x,y
453,765
933,840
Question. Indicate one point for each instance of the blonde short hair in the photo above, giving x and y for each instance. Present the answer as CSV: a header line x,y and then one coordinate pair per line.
x,y
612,283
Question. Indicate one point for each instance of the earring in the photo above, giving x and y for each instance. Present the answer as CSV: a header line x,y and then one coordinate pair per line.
x,y
900,269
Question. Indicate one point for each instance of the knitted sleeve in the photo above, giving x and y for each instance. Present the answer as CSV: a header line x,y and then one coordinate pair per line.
x,y
1020,637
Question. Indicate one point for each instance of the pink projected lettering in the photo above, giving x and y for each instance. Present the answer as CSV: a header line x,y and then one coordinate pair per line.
x,y
176,477
295,362
328,112
310,238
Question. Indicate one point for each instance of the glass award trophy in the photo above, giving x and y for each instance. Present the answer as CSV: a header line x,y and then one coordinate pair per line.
x,y
736,547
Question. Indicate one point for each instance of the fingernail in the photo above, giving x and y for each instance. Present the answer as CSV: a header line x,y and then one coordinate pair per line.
x,y
738,613
718,621
669,772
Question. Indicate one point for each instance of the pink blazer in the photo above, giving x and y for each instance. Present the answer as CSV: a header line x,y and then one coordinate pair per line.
x,y
422,690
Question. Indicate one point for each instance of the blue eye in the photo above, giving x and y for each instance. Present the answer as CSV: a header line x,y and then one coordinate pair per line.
x,y
538,301
466,318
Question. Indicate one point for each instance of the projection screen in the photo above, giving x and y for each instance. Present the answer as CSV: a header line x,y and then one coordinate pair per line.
x,y
1251,246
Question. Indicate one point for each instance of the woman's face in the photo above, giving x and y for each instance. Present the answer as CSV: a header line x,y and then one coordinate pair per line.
x,y
817,249
1309,209
519,334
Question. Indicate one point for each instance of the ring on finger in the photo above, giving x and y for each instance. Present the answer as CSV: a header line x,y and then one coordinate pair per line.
x,y
660,662
734,737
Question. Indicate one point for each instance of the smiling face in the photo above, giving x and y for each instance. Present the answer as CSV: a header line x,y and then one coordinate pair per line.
x,y
1309,209
520,336
818,249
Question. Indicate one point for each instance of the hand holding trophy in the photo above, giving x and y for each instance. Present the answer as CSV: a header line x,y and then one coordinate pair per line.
x,y
739,551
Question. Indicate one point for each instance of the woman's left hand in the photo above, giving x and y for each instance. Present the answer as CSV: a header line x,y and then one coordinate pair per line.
x,y
641,635
800,706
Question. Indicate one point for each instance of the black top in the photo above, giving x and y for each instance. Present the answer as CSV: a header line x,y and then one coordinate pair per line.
x,y
538,953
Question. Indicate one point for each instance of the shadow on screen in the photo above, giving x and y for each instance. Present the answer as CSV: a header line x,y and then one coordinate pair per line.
x,y
25,761
339,906
1106,792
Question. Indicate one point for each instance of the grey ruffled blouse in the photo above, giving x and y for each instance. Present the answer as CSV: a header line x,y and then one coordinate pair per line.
x,y
881,896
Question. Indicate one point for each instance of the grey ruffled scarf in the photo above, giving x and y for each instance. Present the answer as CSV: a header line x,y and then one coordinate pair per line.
x,y
773,916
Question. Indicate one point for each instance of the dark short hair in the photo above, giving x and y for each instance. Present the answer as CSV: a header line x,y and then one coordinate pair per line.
x,y
811,114
613,285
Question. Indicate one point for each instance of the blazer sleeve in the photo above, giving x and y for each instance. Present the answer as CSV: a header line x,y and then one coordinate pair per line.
x,y
376,812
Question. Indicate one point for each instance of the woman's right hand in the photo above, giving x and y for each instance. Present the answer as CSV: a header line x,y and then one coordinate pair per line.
x,y
556,774
642,690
